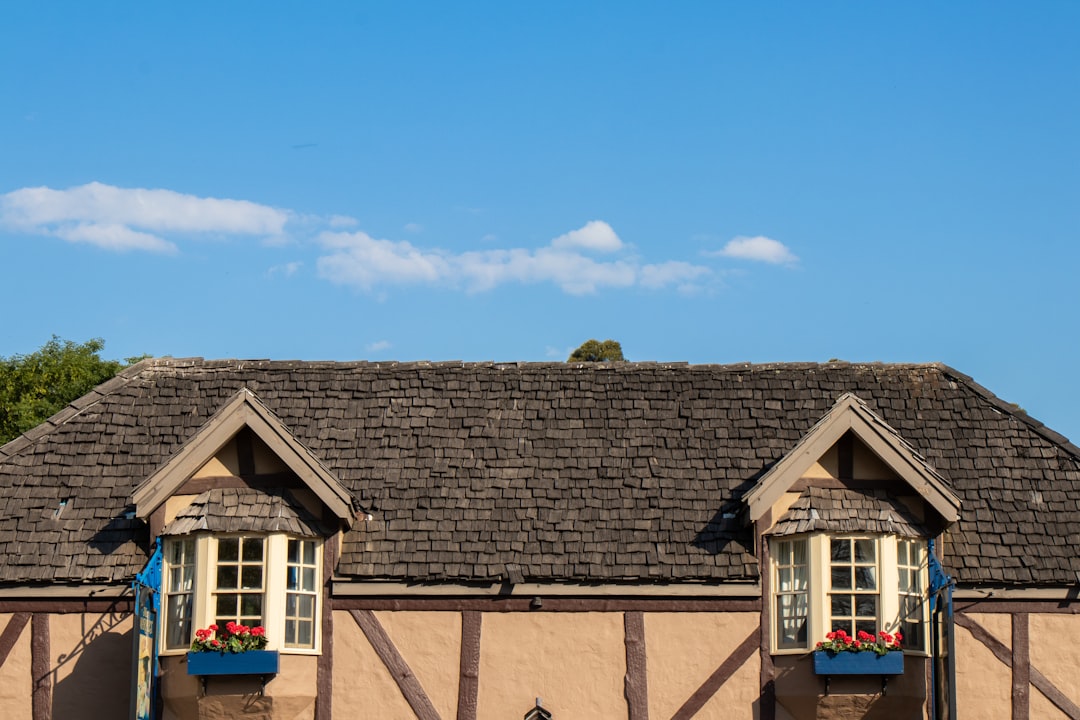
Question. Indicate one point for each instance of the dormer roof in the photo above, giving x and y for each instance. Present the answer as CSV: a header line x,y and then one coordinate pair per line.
x,y
243,410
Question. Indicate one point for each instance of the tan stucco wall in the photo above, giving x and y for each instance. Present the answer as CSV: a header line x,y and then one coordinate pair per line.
x,y
683,650
1055,653
983,683
362,686
91,661
15,679
575,662
430,642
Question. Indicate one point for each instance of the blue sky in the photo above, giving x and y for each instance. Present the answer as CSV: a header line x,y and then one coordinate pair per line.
x,y
702,181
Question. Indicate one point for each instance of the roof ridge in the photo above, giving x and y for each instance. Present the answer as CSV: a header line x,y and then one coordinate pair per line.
x,y
1013,410
73,409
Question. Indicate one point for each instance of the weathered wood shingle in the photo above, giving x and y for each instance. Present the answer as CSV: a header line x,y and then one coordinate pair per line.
x,y
622,472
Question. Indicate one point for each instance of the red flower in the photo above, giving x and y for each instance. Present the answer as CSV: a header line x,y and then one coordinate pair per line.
x,y
213,627
258,631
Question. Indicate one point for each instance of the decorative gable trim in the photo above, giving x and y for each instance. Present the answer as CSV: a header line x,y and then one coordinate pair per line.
x,y
852,414
243,410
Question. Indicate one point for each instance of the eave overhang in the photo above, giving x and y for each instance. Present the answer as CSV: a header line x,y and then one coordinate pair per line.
x,y
852,414
243,410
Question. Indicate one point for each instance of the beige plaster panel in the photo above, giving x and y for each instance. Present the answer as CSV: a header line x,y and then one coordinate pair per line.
x,y
223,463
983,683
16,685
737,698
825,467
1055,659
997,624
575,662
363,688
682,651
430,642
290,695
81,645
1042,709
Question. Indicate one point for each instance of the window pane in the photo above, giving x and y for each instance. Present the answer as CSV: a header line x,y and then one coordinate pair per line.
x,y
841,578
840,549
865,578
309,552
867,626
290,604
228,549
290,632
253,549
866,606
226,577
845,625
292,578
252,577
305,638
864,551
307,606
841,605
783,553
294,551
799,578
225,605
902,552
250,605
784,579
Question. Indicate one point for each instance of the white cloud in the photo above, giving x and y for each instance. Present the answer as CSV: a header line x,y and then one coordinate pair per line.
x,y
378,346
359,260
288,269
342,221
595,235
115,218
414,227
759,248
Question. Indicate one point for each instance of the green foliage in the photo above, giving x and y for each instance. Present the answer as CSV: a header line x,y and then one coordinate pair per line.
x,y
36,386
596,351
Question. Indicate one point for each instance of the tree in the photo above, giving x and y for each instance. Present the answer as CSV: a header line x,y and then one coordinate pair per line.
x,y
596,351
36,386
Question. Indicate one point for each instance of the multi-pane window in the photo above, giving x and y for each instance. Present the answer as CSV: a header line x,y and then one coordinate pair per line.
x,y
791,592
853,585
179,592
301,594
909,556
273,581
240,572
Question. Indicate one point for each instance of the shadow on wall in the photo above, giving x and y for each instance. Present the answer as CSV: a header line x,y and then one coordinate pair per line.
x,y
92,679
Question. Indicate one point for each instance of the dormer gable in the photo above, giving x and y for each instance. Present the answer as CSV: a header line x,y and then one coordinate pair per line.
x,y
848,430
245,420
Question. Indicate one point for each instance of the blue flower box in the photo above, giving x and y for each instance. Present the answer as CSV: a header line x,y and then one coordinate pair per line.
x,y
252,662
858,663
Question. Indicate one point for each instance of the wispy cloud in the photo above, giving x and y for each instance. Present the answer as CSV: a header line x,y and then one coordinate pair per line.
x,y
116,218
364,262
759,248
286,270
378,346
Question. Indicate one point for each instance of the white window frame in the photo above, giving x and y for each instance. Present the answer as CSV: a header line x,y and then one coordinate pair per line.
x,y
820,611
275,551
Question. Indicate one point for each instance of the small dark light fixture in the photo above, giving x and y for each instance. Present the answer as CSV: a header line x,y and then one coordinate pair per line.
x,y
537,602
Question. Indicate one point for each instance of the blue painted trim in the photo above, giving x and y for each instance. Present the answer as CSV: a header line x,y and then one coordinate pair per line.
x,y
858,663
252,662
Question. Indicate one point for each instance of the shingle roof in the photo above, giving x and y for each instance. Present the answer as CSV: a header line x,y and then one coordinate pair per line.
x,y
845,510
571,472
234,510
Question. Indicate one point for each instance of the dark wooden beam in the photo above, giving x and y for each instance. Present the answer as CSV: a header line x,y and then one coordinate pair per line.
x,y
400,671
66,606
1008,607
845,456
637,676
767,676
551,604
469,671
1021,668
12,631
245,453
324,675
41,667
